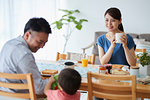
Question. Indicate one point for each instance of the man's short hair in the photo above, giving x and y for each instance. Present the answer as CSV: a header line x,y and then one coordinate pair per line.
x,y
69,80
38,25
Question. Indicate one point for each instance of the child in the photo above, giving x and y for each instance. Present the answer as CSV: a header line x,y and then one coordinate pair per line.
x,y
69,81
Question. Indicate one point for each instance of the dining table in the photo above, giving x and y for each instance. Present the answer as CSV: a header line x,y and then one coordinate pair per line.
x,y
142,90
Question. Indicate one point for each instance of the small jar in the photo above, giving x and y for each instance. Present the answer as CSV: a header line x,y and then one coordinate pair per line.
x,y
102,69
109,68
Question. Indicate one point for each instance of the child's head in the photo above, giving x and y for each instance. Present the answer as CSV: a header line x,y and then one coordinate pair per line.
x,y
69,80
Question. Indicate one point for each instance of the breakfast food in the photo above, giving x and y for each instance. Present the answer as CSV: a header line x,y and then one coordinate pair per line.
x,y
115,66
119,72
49,71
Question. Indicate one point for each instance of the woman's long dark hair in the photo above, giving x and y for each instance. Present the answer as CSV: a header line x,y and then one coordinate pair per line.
x,y
116,14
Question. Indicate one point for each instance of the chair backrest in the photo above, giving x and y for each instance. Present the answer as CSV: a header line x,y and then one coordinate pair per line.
x,y
110,87
29,85
60,56
78,57
75,56
140,50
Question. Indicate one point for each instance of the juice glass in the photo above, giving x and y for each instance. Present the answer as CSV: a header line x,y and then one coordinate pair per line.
x,y
84,62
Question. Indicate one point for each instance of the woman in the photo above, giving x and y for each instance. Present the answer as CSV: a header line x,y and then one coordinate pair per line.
x,y
110,51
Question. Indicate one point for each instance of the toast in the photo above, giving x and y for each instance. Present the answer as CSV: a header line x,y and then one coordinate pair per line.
x,y
49,71
115,66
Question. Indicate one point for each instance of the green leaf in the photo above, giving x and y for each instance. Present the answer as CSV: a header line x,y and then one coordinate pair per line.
x,y
69,20
75,22
64,15
72,17
83,20
69,12
79,26
64,10
59,24
77,11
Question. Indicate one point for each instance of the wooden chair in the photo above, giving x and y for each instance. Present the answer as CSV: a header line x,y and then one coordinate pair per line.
x,y
140,50
110,87
92,59
75,56
60,56
29,86
78,57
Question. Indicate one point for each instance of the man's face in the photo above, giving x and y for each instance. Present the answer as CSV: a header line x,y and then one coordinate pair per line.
x,y
35,40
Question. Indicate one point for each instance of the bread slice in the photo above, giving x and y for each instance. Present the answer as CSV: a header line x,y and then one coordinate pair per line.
x,y
117,66
49,71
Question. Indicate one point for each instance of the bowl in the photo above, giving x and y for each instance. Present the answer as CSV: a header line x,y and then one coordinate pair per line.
x,y
69,63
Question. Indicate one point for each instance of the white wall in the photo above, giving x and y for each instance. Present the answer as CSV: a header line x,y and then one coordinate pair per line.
x,y
135,16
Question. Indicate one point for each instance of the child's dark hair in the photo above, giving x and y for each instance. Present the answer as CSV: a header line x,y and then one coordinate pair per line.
x,y
69,80
38,25
116,14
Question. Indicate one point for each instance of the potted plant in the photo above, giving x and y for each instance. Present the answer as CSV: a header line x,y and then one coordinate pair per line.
x,y
69,19
144,60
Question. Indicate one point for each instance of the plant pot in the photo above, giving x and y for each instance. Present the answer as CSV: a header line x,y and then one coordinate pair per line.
x,y
144,70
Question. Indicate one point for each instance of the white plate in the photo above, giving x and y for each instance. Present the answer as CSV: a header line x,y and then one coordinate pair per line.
x,y
125,68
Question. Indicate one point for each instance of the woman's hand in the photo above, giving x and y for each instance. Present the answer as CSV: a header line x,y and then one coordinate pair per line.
x,y
111,38
124,40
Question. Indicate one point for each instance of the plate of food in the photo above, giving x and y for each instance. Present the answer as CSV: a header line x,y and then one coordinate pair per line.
x,y
120,72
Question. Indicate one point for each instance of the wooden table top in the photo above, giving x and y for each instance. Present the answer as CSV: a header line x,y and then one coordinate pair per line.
x,y
142,90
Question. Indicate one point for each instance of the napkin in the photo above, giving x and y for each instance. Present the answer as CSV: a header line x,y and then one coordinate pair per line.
x,y
145,80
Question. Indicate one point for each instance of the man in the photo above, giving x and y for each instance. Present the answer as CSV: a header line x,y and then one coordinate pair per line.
x,y
16,55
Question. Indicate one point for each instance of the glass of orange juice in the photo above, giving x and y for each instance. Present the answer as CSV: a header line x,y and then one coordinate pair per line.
x,y
84,62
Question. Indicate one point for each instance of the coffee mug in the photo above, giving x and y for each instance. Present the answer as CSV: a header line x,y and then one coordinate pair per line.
x,y
69,65
118,36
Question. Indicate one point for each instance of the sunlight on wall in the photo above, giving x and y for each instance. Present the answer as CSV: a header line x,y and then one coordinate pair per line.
x,y
13,20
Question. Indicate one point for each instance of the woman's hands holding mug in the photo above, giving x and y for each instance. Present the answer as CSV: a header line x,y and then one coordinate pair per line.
x,y
111,38
124,40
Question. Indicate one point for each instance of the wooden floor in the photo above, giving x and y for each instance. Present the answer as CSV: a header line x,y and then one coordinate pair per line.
x,y
83,97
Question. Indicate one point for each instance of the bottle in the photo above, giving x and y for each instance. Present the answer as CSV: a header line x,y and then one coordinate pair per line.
x,y
109,68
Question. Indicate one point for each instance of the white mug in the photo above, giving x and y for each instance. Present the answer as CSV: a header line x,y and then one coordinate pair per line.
x,y
118,36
